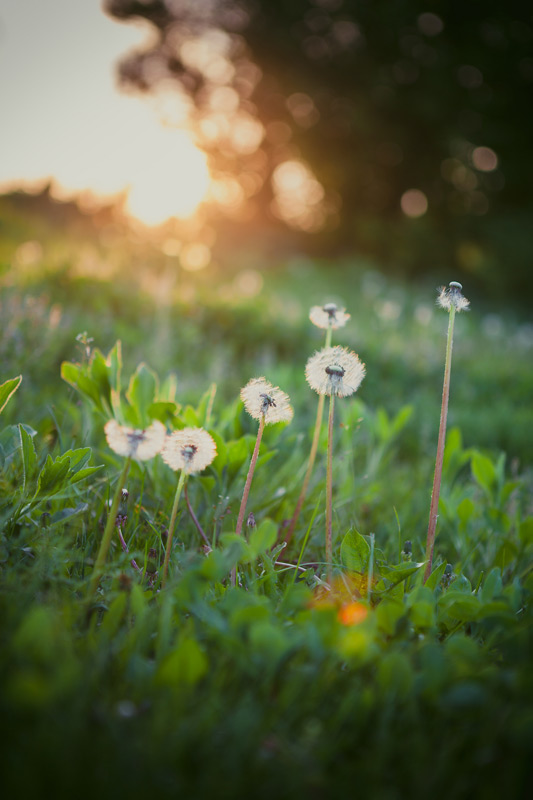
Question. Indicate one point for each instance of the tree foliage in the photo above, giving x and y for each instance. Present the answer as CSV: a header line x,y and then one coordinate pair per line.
x,y
324,113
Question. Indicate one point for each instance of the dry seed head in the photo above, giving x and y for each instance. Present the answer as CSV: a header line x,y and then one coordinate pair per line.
x,y
328,316
335,370
191,449
261,399
135,443
452,296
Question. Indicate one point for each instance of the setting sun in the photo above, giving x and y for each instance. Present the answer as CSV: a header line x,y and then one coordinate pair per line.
x,y
172,181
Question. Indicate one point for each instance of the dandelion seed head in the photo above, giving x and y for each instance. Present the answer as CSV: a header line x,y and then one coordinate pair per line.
x,y
261,399
335,370
328,316
452,296
133,442
191,449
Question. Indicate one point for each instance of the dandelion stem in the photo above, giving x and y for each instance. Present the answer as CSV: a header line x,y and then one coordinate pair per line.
x,y
312,455
329,487
108,531
246,492
172,523
195,519
433,510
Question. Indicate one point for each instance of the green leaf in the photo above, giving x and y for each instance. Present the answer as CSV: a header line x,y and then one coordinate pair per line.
x,y
492,586
484,472
435,577
355,552
142,392
525,531
66,514
398,573
263,537
7,390
164,412
185,665
76,376
29,456
114,362
99,374
460,606
84,473
52,475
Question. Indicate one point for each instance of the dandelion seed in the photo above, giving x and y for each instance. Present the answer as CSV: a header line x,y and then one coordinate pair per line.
x,y
135,443
335,371
452,296
328,316
191,449
264,401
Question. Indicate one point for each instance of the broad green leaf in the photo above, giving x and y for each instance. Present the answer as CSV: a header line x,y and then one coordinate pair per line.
x,y
142,392
78,458
8,389
164,412
484,472
460,606
52,475
99,374
398,573
355,552
492,586
29,456
86,472
76,376
185,665
113,617
263,537
436,576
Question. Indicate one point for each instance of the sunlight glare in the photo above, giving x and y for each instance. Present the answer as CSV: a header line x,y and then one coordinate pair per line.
x,y
172,182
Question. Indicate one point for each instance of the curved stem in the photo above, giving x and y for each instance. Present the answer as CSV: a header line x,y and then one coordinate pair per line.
x,y
195,518
312,456
433,509
108,531
168,548
329,488
246,492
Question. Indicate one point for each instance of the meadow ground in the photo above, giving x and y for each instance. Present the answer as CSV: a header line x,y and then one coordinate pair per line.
x,y
289,681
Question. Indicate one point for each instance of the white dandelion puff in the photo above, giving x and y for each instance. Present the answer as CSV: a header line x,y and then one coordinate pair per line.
x,y
328,316
191,449
133,442
335,371
452,296
262,400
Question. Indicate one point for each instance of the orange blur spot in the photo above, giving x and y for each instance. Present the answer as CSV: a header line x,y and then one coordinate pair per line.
x,y
352,613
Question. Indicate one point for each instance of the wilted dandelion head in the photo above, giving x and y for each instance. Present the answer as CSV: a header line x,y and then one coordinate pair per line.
x,y
135,443
191,449
261,399
452,296
328,316
335,370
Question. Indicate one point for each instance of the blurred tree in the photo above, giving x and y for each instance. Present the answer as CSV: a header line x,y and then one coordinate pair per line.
x,y
399,128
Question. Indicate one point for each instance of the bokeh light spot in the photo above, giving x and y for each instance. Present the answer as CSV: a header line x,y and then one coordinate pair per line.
x,y
414,203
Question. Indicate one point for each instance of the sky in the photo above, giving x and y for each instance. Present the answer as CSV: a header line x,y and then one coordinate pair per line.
x,y
64,117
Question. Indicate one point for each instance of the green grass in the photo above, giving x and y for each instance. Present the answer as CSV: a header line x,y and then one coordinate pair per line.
x,y
262,689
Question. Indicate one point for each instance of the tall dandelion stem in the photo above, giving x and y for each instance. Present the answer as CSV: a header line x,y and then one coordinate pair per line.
x,y
108,531
179,488
433,509
312,455
253,462
329,487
